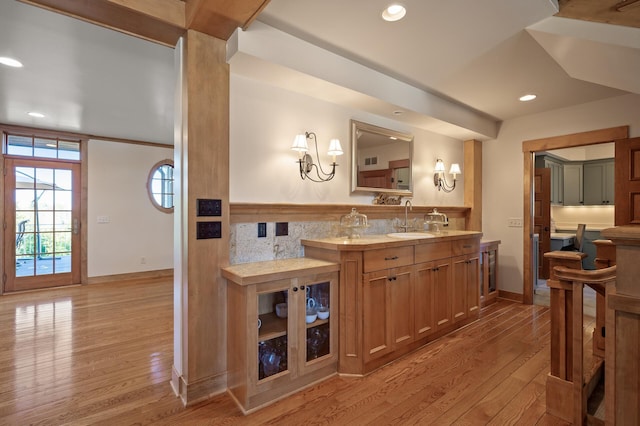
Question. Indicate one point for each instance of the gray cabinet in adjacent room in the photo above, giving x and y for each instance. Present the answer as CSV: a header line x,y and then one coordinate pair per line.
x,y
599,182
573,185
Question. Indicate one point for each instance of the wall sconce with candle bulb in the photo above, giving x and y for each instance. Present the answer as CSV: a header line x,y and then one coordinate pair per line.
x,y
439,179
306,161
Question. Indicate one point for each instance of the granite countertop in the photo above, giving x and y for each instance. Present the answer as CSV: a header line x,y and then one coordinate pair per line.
x,y
258,272
367,242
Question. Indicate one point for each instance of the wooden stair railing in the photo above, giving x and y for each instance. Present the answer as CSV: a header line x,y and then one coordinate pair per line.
x,y
568,387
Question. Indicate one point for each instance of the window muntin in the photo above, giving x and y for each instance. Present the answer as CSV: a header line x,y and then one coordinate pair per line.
x,y
42,147
160,186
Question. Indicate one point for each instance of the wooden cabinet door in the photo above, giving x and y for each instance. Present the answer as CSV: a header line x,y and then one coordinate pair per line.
x,y
443,294
459,285
473,285
376,313
424,299
402,310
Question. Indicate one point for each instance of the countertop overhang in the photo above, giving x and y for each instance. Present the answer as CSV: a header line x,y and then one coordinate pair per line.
x,y
269,270
370,242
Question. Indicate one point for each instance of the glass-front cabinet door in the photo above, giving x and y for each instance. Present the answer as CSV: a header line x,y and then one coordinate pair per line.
x,y
318,324
296,328
273,333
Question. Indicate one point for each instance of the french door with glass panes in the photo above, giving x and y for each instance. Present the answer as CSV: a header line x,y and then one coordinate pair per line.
x,y
42,224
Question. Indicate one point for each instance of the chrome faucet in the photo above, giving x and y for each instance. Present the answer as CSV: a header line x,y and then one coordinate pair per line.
x,y
407,206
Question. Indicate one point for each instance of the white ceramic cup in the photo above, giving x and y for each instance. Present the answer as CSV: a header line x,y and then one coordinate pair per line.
x,y
323,312
259,323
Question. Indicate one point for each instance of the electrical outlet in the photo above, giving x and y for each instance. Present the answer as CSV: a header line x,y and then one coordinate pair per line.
x,y
514,222
282,229
103,219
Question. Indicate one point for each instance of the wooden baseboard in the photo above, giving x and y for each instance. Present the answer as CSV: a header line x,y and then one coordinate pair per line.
x,y
157,274
516,297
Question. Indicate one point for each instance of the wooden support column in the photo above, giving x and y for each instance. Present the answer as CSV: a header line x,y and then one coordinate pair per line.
x,y
473,183
622,359
201,157
605,257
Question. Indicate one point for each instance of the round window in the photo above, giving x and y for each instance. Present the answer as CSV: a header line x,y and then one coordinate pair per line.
x,y
160,186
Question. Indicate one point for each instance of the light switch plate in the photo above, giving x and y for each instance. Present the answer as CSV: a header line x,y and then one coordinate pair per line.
x,y
209,207
206,230
514,222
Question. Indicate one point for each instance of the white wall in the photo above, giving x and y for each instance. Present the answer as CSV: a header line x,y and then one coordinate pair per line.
x,y
264,121
117,178
503,169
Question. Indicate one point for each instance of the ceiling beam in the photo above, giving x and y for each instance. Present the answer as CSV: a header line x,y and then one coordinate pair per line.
x,y
614,12
161,21
220,18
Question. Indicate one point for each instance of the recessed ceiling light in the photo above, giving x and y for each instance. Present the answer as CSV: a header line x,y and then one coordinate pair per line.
x,y
36,114
10,62
528,97
394,12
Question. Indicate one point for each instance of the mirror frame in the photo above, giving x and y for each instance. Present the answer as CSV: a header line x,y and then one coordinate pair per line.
x,y
401,137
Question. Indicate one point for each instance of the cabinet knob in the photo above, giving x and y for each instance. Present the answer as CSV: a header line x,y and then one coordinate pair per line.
x,y
391,258
301,287
295,289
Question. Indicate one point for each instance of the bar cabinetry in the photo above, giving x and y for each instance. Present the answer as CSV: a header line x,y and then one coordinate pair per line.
x,y
398,294
282,328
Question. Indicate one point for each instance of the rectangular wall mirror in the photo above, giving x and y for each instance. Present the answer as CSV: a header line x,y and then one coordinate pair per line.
x,y
380,160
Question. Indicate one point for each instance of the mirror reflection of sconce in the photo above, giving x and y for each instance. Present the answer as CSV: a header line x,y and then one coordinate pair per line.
x,y
439,179
306,161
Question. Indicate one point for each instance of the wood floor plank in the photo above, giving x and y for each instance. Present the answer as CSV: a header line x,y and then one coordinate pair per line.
x,y
102,354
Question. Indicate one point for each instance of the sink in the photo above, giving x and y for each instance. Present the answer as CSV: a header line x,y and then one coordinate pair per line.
x,y
410,235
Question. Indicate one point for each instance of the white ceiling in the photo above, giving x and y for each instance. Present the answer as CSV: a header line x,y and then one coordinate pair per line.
x,y
476,57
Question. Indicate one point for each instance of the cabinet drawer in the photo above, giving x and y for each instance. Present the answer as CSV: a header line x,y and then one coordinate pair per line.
x,y
375,260
466,246
433,251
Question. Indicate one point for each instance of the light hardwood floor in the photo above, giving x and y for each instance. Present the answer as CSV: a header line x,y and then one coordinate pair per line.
x,y
102,354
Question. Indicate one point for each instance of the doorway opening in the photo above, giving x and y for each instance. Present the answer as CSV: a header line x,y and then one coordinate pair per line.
x,y
530,148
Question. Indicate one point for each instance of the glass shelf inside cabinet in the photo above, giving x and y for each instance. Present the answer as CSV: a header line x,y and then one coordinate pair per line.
x,y
318,331
272,333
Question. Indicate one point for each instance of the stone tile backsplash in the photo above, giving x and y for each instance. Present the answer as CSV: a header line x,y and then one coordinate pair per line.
x,y
245,246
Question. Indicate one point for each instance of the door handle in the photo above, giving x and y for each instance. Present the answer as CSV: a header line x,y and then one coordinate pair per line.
x,y
76,226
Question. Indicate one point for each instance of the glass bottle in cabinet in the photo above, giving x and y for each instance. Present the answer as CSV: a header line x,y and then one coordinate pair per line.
x,y
273,338
317,314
